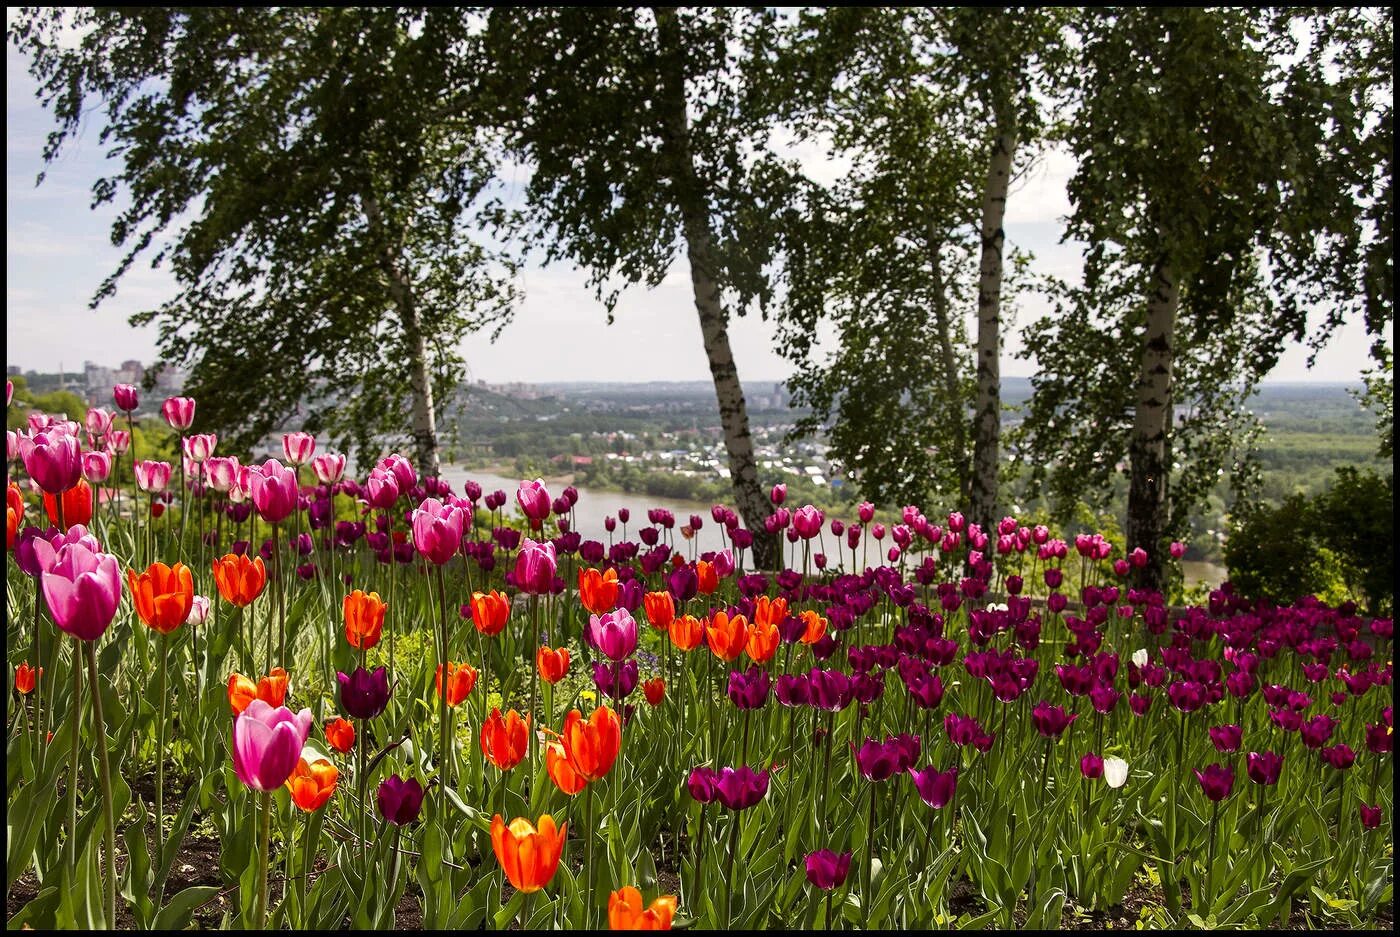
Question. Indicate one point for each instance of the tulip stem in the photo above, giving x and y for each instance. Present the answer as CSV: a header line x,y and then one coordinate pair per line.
x,y
160,748
362,780
264,838
588,855
865,898
105,778
1210,852
729,868
74,741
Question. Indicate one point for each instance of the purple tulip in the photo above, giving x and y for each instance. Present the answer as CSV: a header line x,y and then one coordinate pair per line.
x,y
793,689
125,397
364,694
52,459
82,589
827,870
701,784
740,788
1051,721
267,743
533,498
400,800
1340,757
615,681
749,689
535,566
1091,766
1216,781
936,788
1226,738
877,761
1370,816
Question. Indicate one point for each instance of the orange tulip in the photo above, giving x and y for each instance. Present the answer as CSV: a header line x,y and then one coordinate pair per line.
x,y
461,680
490,612
312,784
552,664
505,739
707,578
597,590
14,514
77,505
654,690
768,611
25,677
271,689
687,632
556,762
240,579
816,627
592,745
163,595
661,609
364,619
625,911
528,856
762,641
728,636
340,733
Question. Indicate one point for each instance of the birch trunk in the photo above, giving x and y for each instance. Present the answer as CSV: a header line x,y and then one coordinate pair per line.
x,y
714,320
942,319
1149,450
986,414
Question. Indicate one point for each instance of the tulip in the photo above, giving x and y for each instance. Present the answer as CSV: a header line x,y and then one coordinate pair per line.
x,y
402,470
1340,757
1051,721
592,745
615,681
807,521
505,739
490,611
706,576
613,634
179,413
728,636
762,641
936,788
340,734
125,397
654,690
686,632
381,489
311,785
77,505
461,680
82,589
598,590
274,491
298,447
1216,781
534,500
1370,816
701,784
1091,766
814,627
682,583
400,800
437,530
828,870
163,595
625,911
1226,738
198,448
535,567
239,579
364,619
660,609
561,771
97,465
267,744
778,495
25,678
271,689
877,761
528,856
1115,772
553,665
14,514
749,690
364,694
1264,767
740,788
52,459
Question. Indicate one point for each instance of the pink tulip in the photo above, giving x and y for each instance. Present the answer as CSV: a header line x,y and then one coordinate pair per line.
x,y
152,476
53,460
9,392
199,611
125,397
298,447
11,445
533,499
329,467
866,511
267,743
807,521
274,491
1177,549
178,412
221,472
82,590
535,566
778,495
381,488
98,422
402,469
437,530
97,465
118,441
199,447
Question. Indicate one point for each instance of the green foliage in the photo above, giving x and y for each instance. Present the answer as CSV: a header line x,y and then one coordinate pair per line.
x,y
309,177
1334,545
1379,398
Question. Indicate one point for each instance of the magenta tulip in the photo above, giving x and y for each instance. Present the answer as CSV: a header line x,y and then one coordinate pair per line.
x,y
535,566
221,472
267,742
274,490
125,397
82,590
97,465
178,412
614,634
936,788
52,459
97,422
533,499
437,530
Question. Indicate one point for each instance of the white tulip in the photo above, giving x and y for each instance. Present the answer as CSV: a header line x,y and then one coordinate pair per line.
x,y
1115,771
1140,657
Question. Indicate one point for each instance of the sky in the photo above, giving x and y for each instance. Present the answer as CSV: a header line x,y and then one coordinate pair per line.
x,y
58,251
